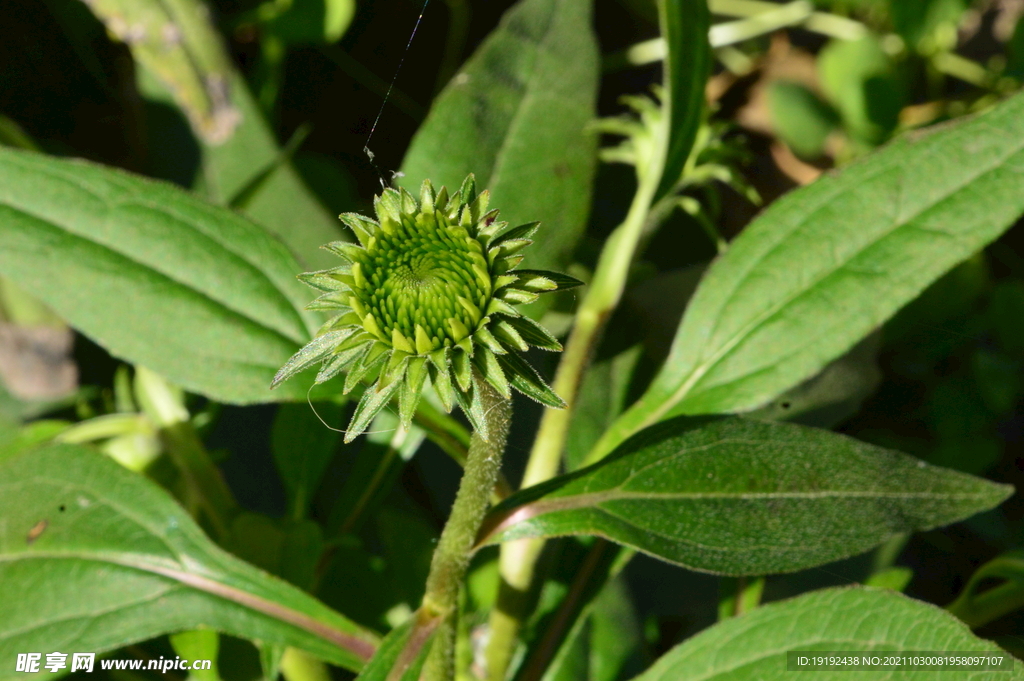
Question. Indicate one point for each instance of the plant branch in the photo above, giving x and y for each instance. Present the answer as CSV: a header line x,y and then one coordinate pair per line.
x,y
519,558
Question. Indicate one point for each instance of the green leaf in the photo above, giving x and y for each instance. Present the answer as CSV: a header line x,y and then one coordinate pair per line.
x,y
604,643
310,354
186,57
741,497
602,397
801,120
826,264
307,22
154,275
859,78
284,204
515,115
611,638
895,578
289,549
918,21
122,562
408,543
526,380
754,647
356,584
556,636
200,644
684,26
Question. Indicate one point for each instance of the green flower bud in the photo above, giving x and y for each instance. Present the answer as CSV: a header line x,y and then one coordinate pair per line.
x,y
429,294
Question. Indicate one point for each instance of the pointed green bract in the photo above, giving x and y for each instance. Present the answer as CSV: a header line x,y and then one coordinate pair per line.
x,y
429,294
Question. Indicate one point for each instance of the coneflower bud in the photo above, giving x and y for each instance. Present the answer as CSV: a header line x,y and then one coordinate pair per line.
x,y
429,294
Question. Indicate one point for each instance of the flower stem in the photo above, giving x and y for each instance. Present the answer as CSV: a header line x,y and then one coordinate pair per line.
x,y
454,549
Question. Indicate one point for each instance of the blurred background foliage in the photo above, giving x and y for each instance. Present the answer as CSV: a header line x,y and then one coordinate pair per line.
x,y
798,88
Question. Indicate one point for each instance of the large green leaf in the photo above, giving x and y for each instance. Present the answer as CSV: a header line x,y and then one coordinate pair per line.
x,y
742,497
754,647
684,25
100,557
194,72
156,276
515,116
827,263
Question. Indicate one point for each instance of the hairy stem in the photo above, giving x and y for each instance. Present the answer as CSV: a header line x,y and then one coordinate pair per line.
x,y
451,557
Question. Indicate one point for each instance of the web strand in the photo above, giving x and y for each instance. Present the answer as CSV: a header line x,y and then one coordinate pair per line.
x,y
387,96
339,430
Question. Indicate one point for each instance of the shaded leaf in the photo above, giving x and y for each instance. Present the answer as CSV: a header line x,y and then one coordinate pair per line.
x,y
514,115
163,41
289,549
602,397
894,578
859,78
302,447
374,472
977,606
801,120
832,395
742,497
283,203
